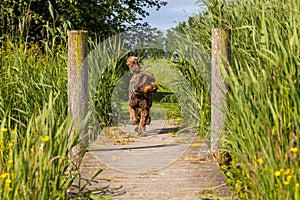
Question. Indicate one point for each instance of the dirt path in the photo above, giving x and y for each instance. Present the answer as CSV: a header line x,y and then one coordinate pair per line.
x,y
164,164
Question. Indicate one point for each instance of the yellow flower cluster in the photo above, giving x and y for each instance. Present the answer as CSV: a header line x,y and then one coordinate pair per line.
x,y
288,175
9,144
4,130
7,181
294,149
6,178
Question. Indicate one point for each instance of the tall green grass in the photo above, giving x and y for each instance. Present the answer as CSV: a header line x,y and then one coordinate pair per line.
x,y
34,163
34,123
106,66
262,121
192,61
27,78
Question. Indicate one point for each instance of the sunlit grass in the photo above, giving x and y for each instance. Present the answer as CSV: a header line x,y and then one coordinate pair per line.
x,y
262,122
34,124
262,132
34,163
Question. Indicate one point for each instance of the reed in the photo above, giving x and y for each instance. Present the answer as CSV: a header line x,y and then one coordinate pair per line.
x,y
262,121
34,123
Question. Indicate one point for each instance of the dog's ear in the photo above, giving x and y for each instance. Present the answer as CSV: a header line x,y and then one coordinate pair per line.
x,y
128,60
147,89
150,88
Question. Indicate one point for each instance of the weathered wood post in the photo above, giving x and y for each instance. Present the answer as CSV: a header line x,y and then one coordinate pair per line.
x,y
220,57
78,90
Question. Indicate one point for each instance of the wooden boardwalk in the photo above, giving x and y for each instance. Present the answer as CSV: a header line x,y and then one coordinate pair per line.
x,y
164,164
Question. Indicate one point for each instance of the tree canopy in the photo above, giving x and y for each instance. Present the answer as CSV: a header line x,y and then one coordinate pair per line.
x,y
32,19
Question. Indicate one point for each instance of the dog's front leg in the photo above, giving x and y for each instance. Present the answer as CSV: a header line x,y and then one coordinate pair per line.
x,y
143,121
134,116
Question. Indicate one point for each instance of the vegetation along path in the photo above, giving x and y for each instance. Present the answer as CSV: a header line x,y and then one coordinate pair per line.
x,y
164,164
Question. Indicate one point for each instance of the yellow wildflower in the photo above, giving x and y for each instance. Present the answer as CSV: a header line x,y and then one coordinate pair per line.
x,y
260,161
3,130
46,138
1,149
294,149
9,145
13,132
7,181
286,182
297,184
287,171
289,178
277,173
281,170
10,161
3,175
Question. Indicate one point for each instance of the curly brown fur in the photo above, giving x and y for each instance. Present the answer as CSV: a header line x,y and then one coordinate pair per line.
x,y
141,89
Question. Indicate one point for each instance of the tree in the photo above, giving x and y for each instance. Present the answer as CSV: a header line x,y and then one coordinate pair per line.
x,y
30,19
146,42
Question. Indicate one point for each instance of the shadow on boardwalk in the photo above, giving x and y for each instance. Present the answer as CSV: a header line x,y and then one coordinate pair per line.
x,y
164,164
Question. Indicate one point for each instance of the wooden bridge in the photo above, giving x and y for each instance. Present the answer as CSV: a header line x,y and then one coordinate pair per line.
x,y
164,164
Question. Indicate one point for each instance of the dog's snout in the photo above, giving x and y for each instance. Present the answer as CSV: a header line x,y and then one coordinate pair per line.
x,y
154,87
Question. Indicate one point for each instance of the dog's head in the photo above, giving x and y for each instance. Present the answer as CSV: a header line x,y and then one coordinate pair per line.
x,y
149,89
133,64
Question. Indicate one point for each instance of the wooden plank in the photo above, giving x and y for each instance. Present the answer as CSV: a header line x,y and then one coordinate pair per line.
x,y
187,177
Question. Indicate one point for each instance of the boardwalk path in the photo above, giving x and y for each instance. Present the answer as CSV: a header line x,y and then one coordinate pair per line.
x,y
161,165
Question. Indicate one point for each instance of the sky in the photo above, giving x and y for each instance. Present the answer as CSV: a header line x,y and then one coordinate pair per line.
x,y
174,12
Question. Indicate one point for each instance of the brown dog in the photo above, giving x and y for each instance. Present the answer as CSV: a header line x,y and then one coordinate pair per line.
x,y
141,89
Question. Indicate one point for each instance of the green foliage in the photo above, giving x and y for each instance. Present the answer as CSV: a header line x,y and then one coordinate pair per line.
x,y
27,78
34,124
264,116
106,67
28,20
262,132
34,162
262,135
192,62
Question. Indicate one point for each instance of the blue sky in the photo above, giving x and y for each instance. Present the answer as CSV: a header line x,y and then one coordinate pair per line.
x,y
174,12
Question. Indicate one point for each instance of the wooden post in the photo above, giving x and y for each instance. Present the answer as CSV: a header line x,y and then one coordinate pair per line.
x,y
220,57
78,90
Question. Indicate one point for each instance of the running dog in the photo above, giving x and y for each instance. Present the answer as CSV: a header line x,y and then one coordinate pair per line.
x,y
141,89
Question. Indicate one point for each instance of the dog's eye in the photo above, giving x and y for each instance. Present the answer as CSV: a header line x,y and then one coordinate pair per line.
x,y
134,62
